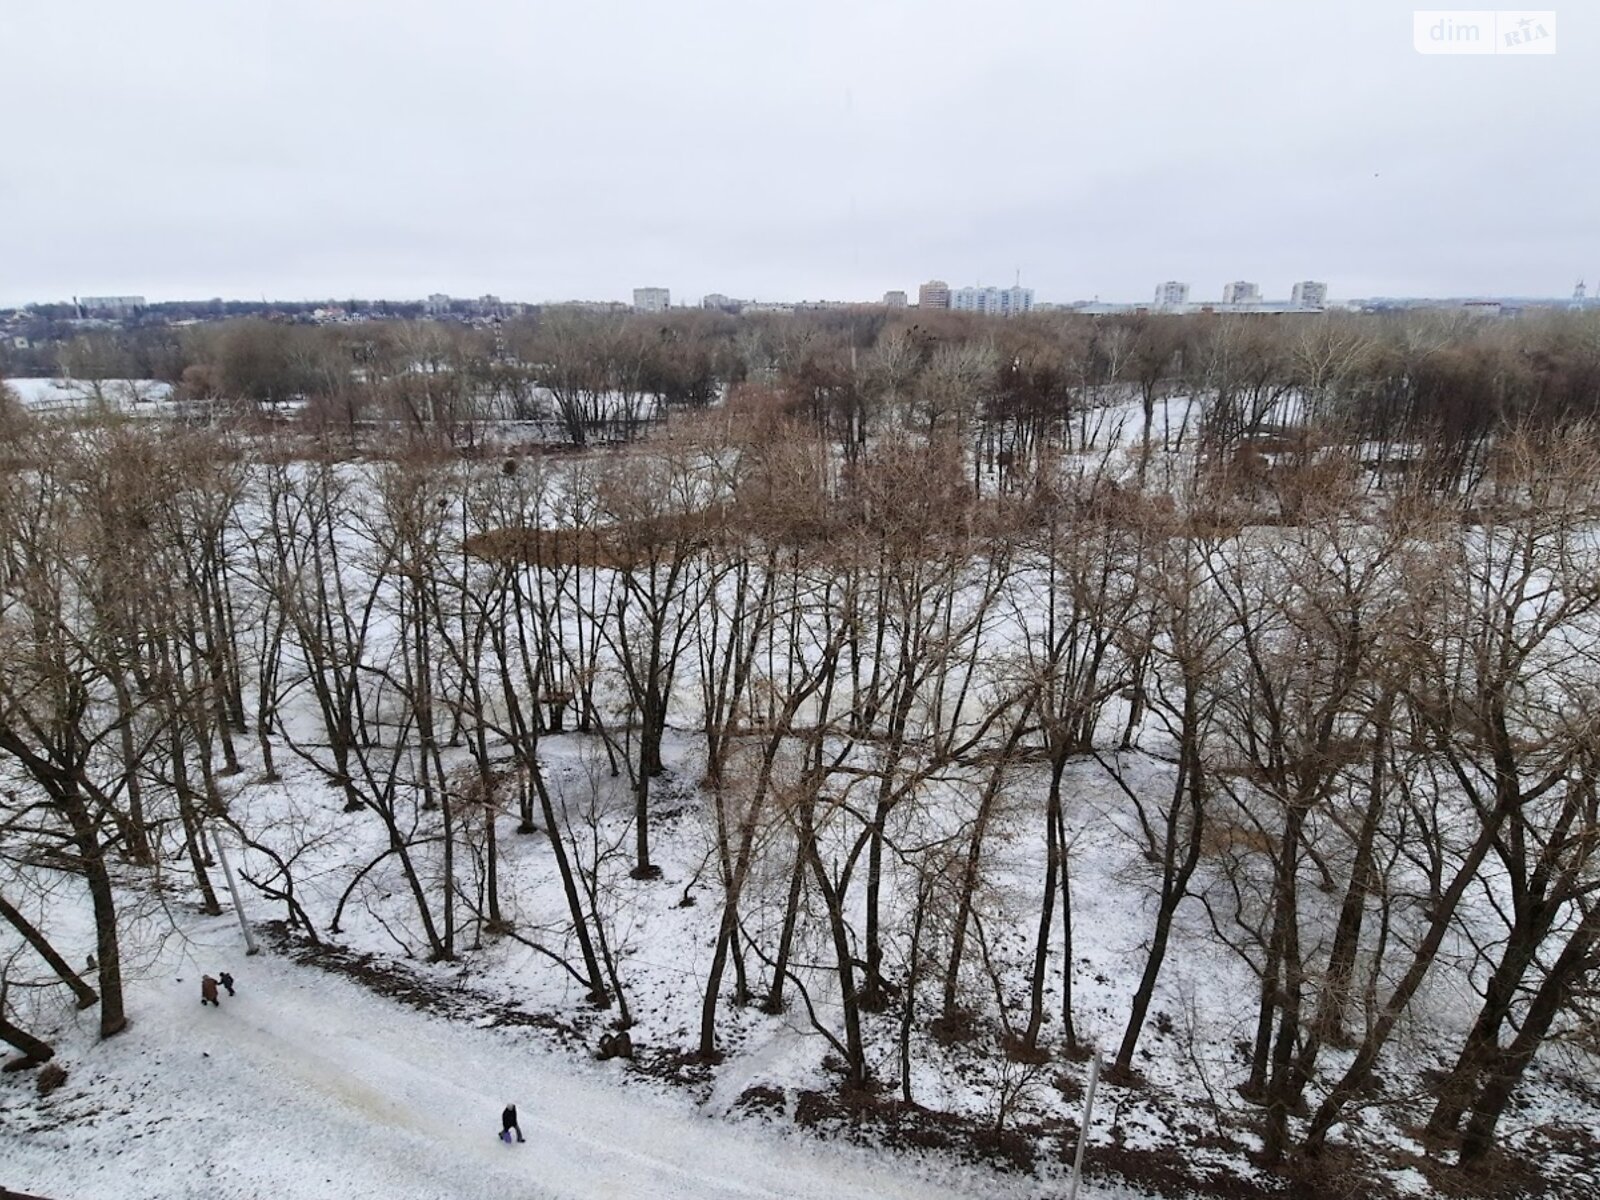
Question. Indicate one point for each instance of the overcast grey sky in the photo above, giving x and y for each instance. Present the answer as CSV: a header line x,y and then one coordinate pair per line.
x,y
803,149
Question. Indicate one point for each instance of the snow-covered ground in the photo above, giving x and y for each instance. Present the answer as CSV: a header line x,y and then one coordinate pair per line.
x,y
144,396
310,1082
306,1085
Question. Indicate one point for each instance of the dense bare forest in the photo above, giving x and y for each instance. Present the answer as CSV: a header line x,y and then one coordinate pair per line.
x,y
896,632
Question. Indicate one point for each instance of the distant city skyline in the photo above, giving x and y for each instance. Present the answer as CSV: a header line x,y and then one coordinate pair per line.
x,y
665,298
396,148
1205,292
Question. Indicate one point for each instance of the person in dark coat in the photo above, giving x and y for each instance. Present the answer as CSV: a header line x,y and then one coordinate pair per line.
x,y
508,1121
226,981
208,992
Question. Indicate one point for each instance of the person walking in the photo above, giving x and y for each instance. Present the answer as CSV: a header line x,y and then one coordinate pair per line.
x,y
508,1124
226,981
208,992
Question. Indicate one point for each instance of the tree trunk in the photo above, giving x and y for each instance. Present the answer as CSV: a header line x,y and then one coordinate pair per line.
x,y
855,1048
1174,887
1048,904
1280,1086
33,1050
1576,959
791,912
113,1019
1443,915
85,994
1334,1006
193,843
569,886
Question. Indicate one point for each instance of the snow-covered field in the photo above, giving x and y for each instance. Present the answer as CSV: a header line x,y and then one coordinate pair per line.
x,y
137,396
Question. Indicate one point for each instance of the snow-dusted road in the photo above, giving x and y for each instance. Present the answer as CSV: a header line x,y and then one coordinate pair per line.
x,y
307,1086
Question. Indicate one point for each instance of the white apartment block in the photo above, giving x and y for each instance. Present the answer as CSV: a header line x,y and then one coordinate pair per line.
x,y
1014,301
651,299
1172,294
971,299
1241,292
1309,294
995,302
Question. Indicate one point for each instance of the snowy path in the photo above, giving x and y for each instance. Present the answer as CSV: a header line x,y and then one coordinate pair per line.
x,y
306,1086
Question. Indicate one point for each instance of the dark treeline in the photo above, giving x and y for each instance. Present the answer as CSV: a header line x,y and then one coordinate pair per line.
x,y
1316,596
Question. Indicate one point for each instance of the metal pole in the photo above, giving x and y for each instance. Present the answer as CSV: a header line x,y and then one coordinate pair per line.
x,y
1083,1130
233,890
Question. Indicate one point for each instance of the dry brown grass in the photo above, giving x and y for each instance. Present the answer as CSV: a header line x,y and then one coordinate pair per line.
x,y
545,547
1220,839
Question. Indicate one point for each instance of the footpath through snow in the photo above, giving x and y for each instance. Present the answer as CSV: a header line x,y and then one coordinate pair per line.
x,y
305,1085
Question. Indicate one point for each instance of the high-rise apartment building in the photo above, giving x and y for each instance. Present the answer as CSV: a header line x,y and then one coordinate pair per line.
x,y
1309,294
934,294
651,299
895,299
1241,292
1014,301
1172,294
996,302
